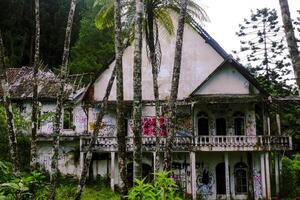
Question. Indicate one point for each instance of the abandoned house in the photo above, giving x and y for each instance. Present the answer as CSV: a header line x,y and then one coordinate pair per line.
x,y
223,144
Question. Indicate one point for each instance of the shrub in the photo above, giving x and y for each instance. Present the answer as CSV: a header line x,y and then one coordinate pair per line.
x,y
290,177
162,188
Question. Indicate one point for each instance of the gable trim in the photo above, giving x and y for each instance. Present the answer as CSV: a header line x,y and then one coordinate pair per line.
x,y
241,69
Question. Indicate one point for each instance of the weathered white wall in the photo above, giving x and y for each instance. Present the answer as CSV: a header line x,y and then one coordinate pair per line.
x,y
79,119
199,59
67,153
226,81
227,111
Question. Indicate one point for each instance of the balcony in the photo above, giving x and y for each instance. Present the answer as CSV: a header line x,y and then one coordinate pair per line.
x,y
198,143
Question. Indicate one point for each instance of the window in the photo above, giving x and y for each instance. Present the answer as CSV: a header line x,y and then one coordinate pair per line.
x,y
221,126
240,175
239,123
68,119
202,124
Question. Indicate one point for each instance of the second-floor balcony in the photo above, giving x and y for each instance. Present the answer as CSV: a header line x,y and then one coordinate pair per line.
x,y
197,143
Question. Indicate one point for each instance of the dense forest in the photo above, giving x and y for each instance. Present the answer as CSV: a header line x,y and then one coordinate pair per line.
x,y
90,47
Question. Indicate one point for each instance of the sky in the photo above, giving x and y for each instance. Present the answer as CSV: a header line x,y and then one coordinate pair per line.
x,y
226,15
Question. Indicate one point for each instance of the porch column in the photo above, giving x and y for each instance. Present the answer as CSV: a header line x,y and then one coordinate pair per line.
x,y
112,171
268,181
193,174
227,176
81,156
277,173
278,124
263,175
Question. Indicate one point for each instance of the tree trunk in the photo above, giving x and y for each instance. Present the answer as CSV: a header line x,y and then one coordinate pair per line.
x,y
98,126
121,135
60,103
8,111
155,66
137,91
291,39
35,105
171,112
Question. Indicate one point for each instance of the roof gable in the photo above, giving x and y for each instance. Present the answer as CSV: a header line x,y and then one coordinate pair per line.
x,y
201,55
229,78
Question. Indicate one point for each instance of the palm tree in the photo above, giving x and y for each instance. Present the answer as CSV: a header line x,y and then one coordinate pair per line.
x,y
34,117
60,102
171,114
156,12
121,135
291,39
8,111
137,91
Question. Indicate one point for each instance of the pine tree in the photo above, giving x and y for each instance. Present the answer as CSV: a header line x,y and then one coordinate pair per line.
x,y
263,48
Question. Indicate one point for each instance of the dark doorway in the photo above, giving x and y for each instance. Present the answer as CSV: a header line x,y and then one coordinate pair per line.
x,y
221,126
202,126
220,178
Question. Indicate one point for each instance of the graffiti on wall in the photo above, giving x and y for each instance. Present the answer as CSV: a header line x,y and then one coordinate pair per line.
x,y
181,174
205,181
149,126
184,123
257,184
80,120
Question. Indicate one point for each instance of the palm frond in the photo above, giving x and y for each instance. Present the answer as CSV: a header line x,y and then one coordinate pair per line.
x,y
105,17
163,17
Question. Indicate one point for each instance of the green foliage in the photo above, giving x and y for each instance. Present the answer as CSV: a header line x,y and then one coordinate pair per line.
x,y
94,48
17,24
162,188
12,187
290,177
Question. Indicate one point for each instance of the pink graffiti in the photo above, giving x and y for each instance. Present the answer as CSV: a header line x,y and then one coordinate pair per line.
x,y
149,126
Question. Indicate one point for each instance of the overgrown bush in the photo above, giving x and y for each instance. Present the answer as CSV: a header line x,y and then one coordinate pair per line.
x,y
27,186
162,188
290,177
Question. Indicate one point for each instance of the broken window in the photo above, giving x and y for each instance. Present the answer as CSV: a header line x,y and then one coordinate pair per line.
x,y
239,123
68,119
241,181
221,126
202,124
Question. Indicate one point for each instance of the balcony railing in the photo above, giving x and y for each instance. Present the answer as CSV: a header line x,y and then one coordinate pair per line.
x,y
198,143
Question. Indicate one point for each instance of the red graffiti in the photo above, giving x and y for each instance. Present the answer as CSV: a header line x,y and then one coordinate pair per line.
x,y
149,126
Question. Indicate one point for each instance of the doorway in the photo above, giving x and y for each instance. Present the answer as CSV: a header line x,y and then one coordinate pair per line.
x,y
220,178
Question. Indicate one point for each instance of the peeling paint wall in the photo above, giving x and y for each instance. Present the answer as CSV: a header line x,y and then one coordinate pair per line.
x,y
226,81
68,157
226,111
199,60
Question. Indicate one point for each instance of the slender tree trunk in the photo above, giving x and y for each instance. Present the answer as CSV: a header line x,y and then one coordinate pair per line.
x,y
154,63
98,126
8,111
60,103
137,91
121,135
171,112
35,104
291,39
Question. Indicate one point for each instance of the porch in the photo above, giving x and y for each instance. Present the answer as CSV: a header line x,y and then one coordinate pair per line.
x,y
196,143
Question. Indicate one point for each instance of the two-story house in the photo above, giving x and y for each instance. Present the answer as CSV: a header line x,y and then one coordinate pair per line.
x,y
223,144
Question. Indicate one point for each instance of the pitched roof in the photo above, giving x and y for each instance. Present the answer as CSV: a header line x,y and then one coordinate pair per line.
x,y
21,84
